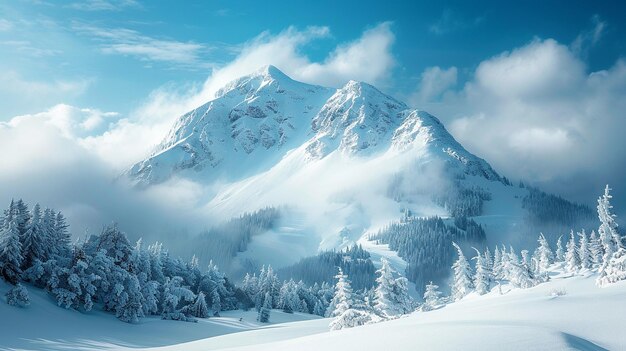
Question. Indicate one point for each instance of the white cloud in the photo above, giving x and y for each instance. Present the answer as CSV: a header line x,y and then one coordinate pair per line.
x,y
17,90
368,58
589,38
44,159
129,42
5,25
536,113
433,83
104,5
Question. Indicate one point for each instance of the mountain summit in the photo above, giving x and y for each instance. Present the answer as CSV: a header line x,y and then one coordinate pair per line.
x,y
257,119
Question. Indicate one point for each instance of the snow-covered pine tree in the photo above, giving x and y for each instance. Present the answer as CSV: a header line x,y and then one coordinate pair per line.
x,y
216,303
74,286
10,250
608,226
63,238
176,299
22,216
584,252
497,264
482,275
560,252
432,297
404,302
595,248
264,312
354,311
288,299
199,308
35,240
462,276
342,299
505,264
489,261
319,309
525,277
48,226
18,296
572,261
544,255
384,303
615,269
131,309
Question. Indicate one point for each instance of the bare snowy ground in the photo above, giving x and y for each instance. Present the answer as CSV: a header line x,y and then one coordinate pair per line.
x,y
586,317
44,326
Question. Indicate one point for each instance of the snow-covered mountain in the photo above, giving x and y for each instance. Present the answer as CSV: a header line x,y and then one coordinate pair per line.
x,y
342,163
257,119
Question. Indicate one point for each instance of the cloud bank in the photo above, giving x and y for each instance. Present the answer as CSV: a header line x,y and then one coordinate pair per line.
x,y
537,114
69,157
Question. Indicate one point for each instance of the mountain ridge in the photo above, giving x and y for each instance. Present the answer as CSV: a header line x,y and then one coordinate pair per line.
x,y
266,114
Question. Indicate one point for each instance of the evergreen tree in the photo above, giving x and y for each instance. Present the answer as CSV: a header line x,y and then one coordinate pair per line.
x,y
384,302
10,251
432,297
176,298
22,216
607,231
35,240
216,303
525,278
584,252
18,296
572,261
544,255
595,248
356,314
264,312
560,252
63,238
615,269
342,300
497,264
482,276
199,308
462,276
319,309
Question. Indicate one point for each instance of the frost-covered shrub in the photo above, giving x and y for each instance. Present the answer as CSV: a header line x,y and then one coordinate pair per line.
x,y
18,296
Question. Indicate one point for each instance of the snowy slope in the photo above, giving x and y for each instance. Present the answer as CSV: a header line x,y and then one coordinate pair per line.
x,y
257,119
346,162
585,318
45,326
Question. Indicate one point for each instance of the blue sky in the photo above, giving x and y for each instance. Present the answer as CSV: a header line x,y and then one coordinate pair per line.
x,y
47,42
535,87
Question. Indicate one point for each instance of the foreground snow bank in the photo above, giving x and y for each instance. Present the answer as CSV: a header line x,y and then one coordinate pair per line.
x,y
45,326
567,313
584,318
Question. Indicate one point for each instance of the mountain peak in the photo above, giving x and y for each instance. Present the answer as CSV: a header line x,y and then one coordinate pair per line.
x,y
273,72
264,76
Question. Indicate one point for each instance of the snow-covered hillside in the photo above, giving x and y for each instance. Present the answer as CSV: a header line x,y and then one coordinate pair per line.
x,y
340,163
567,313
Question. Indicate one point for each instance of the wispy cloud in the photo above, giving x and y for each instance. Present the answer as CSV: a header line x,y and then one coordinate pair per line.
x,y
26,47
5,25
104,5
590,37
450,21
128,42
